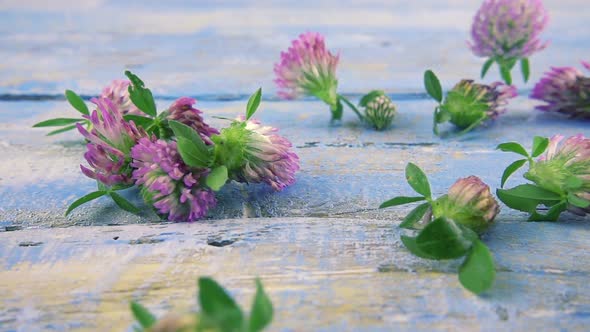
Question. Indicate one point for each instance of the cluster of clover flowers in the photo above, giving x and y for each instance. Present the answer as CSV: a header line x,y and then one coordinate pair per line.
x,y
506,32
449,227
176,159
219,312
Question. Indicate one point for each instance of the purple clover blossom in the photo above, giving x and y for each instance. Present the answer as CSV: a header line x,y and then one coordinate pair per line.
x,y
564,90
564,164
254,153
167,183
508,28
468,202
182,110
118,93
468,104
109,144
308,68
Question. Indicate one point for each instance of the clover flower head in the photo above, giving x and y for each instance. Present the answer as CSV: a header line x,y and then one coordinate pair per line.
x,y
308,68
167,183
564,90
468,202
469,102
118,93
255,153
109,143
182,110
379,112
565,169
508,29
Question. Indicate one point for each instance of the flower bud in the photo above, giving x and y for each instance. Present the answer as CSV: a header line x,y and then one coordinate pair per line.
x,y
176,323
469,202
379,112
255,154
565,170
469,103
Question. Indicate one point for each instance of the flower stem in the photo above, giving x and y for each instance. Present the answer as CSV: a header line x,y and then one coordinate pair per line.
x,y
473,125
352,107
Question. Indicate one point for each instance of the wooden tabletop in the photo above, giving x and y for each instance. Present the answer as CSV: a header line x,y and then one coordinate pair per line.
x,y
330,260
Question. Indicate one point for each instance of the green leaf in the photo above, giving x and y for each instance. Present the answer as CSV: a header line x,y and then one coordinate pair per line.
x,y
192,153
253,103
262,310
441,115
192,149
414,216
400,200
85,199
573,183
552,214
57,122
418,180
525,68
139,120
61,130
410,243
577,201
77,102
539,145
477,273
486,66
145,318
513,147
124,203
432,85
534,192
370,96
443,239
217,178
505,73
511,169
218,306
527,197
140,95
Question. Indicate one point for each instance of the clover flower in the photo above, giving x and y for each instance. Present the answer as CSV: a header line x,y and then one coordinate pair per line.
x,y
508,30
182,110
564,90
118,93
565,170
167,183
254,153
308,68
468,202
379,112
109,144
468,104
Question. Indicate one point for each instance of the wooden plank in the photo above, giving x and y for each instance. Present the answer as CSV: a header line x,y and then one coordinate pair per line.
x,y
329,274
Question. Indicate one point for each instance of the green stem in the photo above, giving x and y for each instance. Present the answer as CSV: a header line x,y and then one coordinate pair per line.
x,y
435,121
352,107
473,125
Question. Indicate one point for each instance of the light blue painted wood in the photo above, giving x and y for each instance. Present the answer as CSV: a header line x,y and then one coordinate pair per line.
x,y
320,270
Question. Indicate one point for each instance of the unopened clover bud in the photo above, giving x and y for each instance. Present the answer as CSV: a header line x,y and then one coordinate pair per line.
x,y
469,202
469,104
176,323
379,111
254,153
565,170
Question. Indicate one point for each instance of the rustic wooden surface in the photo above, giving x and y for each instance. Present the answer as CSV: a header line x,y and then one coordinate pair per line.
x,y
330,260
